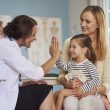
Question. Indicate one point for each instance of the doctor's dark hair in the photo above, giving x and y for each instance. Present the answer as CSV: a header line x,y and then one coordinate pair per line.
x,y
84,41
20,27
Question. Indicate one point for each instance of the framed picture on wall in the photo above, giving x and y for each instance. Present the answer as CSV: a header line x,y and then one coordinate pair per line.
x,y
48,27
4,19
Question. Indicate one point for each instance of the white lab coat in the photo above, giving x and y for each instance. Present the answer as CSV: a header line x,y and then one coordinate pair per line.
x,y
12,63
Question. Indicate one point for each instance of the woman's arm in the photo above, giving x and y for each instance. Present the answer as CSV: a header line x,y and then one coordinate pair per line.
x,y
100,90
106,72
11,55
54,52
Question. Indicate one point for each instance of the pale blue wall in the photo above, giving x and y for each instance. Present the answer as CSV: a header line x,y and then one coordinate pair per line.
x,y
48,8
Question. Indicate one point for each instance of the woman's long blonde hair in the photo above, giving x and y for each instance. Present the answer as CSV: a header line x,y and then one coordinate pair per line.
x,y
99,15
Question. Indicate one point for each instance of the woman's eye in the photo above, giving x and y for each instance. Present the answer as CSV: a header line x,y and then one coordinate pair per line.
x,y
73,46
87,21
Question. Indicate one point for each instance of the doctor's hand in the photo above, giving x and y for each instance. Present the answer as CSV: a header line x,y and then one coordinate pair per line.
x,y
34,82
39,82
54,48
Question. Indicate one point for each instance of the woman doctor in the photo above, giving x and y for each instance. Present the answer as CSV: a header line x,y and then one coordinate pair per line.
x,y
19,32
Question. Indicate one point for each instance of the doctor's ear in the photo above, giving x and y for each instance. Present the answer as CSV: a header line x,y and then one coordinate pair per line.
x,y
85,49
23,43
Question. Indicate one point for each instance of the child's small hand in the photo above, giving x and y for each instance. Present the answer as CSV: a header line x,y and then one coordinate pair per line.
x,y
78,92
76,83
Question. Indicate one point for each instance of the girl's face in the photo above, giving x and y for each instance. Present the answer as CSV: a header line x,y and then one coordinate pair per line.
x,y
29,39
88,23
76,51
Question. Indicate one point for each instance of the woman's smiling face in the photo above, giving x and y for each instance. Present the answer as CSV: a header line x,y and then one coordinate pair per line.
x,y
88,23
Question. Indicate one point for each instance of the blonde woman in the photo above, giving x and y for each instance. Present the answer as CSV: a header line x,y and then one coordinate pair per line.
x,y
92,24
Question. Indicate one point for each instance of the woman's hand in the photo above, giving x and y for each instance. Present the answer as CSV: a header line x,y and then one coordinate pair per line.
x,y
34,82
92,92
78,92
54,48
54,52
40,82
70,84
75,83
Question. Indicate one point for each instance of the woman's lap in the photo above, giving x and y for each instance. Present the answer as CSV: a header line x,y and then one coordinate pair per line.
x,y
70,103
92,102
31,96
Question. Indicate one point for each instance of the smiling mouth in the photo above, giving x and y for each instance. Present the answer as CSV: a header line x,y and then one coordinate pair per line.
x,y
71,54
84,29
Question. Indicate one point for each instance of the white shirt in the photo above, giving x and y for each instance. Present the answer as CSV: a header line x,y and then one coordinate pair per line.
x,y
12,63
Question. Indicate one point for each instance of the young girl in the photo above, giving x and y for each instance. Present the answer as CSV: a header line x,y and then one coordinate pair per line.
x,y
80,67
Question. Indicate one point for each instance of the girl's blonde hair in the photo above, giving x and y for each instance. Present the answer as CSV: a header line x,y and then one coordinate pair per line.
x,y
99,15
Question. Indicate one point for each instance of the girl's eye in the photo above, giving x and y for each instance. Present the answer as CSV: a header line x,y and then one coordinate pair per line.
x,y
69,46
74,47
33,35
